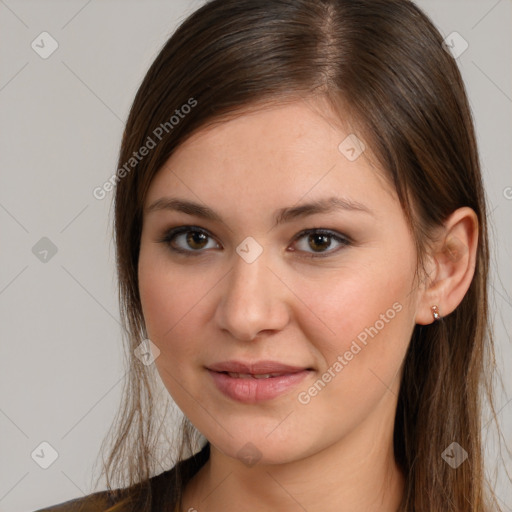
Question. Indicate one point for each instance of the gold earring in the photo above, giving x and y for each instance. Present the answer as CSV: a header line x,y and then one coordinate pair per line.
x,y
435,312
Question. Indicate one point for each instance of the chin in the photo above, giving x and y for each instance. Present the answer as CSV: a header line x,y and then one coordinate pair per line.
x,y
258,449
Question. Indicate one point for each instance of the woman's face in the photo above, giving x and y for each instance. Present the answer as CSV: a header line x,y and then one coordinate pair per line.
x,y
276,343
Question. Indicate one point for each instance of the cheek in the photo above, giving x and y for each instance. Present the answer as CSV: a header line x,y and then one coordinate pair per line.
x,y
360,324
346,302
174,303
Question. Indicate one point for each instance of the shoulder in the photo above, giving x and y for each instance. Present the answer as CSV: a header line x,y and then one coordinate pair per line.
x,y
96,502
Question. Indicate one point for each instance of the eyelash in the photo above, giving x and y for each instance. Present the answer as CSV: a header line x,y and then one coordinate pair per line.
x,y
174,232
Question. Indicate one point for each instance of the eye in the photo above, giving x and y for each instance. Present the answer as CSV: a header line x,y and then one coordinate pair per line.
x,y
187,239
191,240
320,240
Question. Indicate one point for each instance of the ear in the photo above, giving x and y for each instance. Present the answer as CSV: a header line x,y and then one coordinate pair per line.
x,y
453,265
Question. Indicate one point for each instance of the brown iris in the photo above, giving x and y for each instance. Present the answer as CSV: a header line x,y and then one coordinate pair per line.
x,y
322,241
196,237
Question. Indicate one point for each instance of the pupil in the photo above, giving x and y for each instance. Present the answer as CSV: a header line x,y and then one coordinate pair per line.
x,y
195,237
320,239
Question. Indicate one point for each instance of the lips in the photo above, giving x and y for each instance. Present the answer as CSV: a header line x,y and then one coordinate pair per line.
x,y
256,368
258,381
255,376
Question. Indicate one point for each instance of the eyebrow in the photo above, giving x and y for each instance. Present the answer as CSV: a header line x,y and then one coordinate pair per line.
x,y
283,215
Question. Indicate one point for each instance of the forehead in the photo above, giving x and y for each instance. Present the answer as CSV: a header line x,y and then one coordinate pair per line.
x,y
273,155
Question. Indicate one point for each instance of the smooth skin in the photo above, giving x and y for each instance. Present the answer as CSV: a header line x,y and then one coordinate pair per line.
x,y
335,452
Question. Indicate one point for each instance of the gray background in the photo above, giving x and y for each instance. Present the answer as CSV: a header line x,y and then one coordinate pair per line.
x,y
61,365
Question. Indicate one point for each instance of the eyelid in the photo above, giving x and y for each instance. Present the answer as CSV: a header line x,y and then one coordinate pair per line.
x,y
172,233
342,239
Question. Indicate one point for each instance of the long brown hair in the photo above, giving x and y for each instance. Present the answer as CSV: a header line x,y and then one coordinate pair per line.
x,y
384,61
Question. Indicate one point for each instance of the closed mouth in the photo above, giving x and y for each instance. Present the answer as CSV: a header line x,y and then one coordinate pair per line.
x,y
254,376
255,370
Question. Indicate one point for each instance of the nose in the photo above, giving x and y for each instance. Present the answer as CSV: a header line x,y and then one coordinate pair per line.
x,y
254,300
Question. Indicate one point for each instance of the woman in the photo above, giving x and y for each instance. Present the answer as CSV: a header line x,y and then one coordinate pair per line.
x,y
301,234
